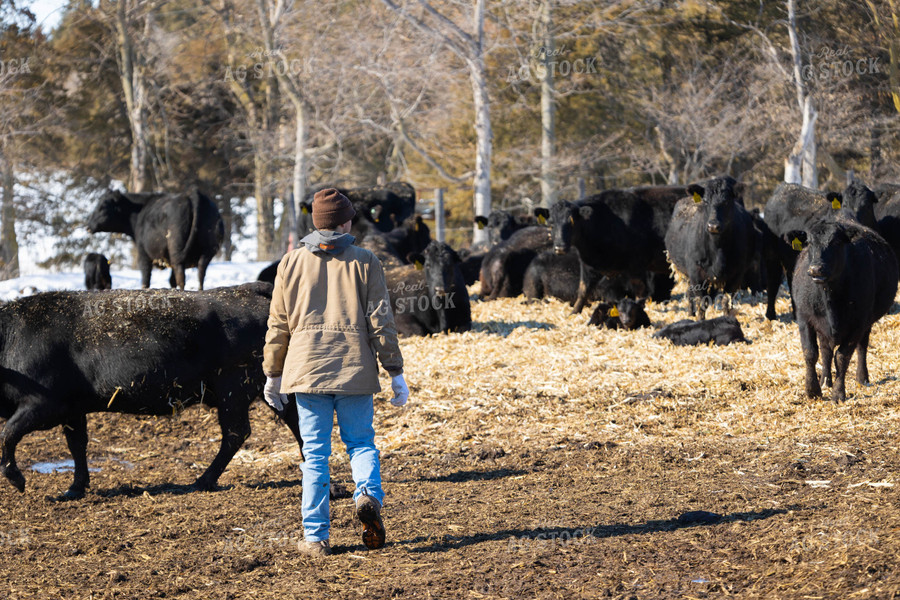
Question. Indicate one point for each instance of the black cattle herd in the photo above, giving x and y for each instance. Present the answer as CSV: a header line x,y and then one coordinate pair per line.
x,y
66,354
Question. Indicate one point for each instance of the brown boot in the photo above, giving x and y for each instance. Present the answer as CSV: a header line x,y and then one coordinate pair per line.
x,y
368,509
314,549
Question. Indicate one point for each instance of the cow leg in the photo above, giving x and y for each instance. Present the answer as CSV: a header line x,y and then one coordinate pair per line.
x,y
842,361
145,265
773,283
27,418
862,366
234,419
587,283
75,430
201,268
811,355
827,360
178,274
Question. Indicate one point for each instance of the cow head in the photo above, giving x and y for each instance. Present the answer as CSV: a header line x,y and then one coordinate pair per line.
x,y
113,214
440,263
500,226
564,217
859,201
718,201
630,311
417,233
827,245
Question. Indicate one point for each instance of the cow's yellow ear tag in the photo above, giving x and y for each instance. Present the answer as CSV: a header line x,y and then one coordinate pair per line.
x,y
614,312
304,210
572,220
836,204
697,198
479,224
796,244
419,265
541,220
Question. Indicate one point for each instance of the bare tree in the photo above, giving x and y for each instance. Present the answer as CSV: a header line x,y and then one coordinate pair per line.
x,y
800,166
470,48
132,61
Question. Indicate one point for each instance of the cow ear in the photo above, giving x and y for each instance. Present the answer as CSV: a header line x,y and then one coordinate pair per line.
x,y
417,259
542,215
696,192
480,222
585,212
836,200
797,239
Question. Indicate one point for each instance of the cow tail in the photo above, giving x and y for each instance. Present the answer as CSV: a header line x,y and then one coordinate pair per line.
x,y
195,225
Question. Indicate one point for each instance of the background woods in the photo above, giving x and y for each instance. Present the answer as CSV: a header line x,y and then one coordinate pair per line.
x,y
256,102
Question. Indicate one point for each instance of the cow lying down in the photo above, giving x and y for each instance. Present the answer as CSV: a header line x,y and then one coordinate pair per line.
x,y
66,354
721,331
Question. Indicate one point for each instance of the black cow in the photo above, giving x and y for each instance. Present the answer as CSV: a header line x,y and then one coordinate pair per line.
x,y
721,331
615,232
844,281
67,354
411,237
386,205
432,299
267,275
558,276
470,265
794,207
554,275
887,211
169,230
504,265
627,313
712,239
501,224
96,272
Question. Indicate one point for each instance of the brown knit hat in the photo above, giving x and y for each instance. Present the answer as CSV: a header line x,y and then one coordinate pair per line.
x,y
330,209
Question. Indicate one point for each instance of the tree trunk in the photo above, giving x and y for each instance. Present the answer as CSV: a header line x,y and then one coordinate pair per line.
x,y
9,245
265,210
301,167
484,140
800,166
134,87
548,111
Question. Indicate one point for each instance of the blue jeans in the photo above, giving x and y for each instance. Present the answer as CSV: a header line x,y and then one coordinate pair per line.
x,y
354,417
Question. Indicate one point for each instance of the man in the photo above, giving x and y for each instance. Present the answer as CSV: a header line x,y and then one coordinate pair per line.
x,y
329,318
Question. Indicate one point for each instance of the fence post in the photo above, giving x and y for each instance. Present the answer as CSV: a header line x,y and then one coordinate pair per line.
x,y
439,214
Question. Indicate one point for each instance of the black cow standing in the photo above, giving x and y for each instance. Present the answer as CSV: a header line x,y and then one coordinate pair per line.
x,y
712,239
430,299
66,354
844,281
616,232
170,230
96,272
794,207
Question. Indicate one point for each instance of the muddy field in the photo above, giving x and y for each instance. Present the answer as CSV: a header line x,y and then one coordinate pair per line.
x,y
538,458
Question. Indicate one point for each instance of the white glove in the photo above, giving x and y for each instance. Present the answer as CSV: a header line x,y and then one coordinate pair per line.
x,y
272,394
401,392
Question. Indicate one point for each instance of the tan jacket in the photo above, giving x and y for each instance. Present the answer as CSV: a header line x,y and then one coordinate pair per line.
x,y
330,315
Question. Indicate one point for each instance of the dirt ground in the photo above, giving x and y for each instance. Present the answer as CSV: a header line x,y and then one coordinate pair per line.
x,y
538,458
